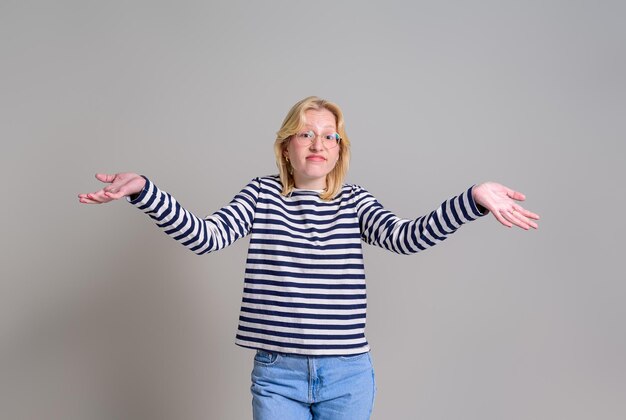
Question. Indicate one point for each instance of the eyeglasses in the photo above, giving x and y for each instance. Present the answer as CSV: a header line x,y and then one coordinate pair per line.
x,y
307,138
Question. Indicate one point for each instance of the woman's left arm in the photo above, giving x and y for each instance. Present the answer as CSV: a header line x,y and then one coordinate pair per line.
x,y
382,228
501,201
404,236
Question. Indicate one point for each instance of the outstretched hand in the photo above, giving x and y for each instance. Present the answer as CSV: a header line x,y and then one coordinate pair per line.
x,y
501,202
121,185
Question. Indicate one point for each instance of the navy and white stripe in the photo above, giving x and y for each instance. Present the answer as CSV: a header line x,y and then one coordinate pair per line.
x,y
304,290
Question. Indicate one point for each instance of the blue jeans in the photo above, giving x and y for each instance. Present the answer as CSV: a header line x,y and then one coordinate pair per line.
x,y
291,387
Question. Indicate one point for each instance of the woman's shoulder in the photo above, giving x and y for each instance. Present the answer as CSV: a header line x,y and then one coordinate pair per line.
x,y
353,188
352,192
266,179
274,177
271,182
270,179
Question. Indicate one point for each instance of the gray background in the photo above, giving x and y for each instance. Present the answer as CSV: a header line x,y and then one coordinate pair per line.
x,y
103,317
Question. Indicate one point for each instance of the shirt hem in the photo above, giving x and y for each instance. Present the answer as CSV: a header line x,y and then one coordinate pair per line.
x,y
306,352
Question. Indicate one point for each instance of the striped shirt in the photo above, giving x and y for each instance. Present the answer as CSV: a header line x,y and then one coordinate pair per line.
x,y
304,289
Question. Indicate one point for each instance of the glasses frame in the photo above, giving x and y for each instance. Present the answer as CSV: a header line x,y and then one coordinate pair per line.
x,y
301,141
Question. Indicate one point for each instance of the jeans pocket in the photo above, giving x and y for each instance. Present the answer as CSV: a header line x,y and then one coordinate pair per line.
x,y
265,358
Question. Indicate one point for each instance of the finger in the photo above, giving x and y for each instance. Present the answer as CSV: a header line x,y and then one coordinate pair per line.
x,y
515,195
525,220
91,199
519,220
531,215
508,215
105,177
98,196
501,219
86,200
114,195
94,198
110,188
117,192
527,213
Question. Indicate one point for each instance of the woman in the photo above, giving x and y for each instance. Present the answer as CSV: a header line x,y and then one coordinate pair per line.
x,y
303,307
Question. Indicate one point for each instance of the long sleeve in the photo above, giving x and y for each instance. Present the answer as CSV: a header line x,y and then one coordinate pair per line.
x,y
201,236
382,228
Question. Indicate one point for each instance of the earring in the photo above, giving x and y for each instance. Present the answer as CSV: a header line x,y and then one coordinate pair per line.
x,y
289,167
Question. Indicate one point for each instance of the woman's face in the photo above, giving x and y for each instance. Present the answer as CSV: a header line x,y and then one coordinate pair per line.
x,y
313,161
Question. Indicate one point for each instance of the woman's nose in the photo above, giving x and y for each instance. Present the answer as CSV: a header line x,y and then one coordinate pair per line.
x,y
317,143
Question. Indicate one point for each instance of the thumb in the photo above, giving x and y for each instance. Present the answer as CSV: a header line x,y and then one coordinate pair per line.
x,y
105,177
515,195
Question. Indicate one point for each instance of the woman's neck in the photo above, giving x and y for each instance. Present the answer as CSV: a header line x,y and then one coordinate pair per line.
x,y
310,184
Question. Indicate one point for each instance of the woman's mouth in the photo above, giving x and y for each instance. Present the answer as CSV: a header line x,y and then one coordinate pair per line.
x,y
316,158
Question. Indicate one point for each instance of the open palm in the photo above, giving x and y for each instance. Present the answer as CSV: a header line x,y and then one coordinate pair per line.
x,y
501,201
121,185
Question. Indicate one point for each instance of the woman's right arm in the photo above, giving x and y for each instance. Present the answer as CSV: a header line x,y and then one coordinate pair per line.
x,y
201,236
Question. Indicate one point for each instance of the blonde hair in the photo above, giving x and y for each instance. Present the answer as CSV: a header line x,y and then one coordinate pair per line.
x,y
294,121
